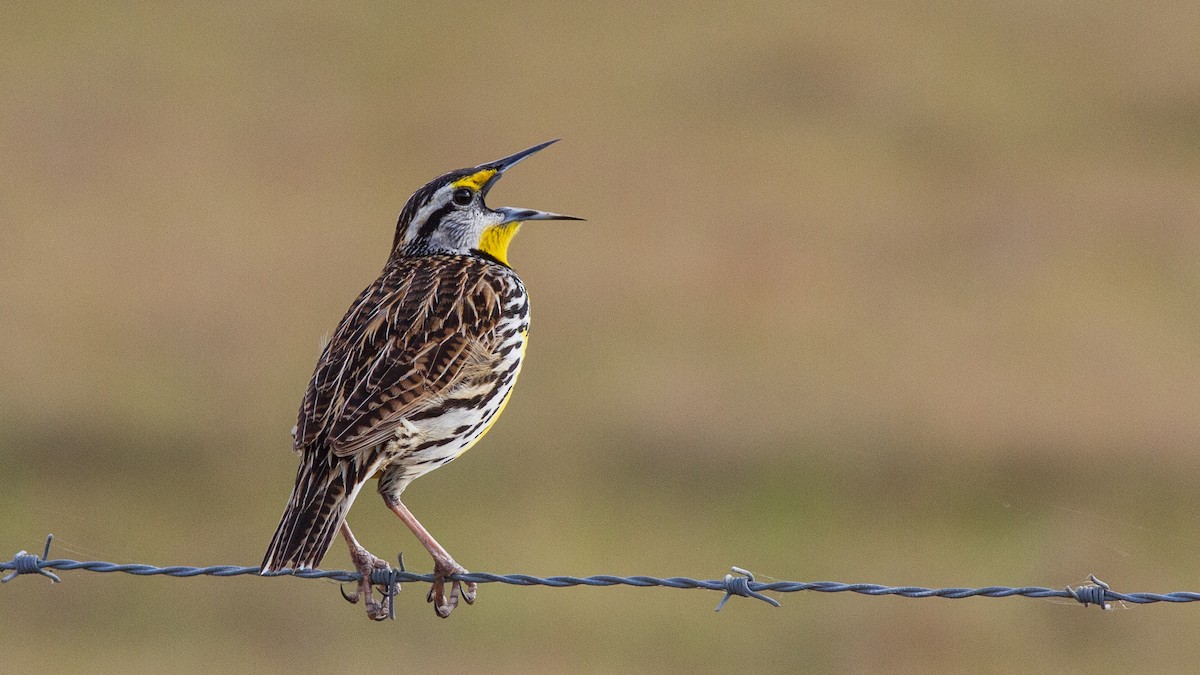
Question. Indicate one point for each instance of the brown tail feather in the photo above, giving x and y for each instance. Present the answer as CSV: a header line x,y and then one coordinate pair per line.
x,y
318,505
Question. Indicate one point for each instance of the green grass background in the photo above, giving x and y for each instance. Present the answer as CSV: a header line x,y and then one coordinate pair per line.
x,y
867,292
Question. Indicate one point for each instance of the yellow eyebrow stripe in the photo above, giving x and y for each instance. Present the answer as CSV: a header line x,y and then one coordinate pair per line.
x,y
475,181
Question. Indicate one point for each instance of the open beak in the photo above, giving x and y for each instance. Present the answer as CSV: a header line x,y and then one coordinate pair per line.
x,y
506,163
500,166
512,215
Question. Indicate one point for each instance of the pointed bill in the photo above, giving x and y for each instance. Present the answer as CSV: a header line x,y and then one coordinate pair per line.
x,y
484,176
513,215
502,165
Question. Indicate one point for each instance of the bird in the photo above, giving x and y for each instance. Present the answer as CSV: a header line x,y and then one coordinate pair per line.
x,y
416,372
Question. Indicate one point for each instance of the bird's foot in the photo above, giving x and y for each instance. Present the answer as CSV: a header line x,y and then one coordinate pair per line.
x,y
442,604
366,563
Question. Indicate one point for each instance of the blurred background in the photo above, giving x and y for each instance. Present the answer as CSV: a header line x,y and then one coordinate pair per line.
x,y
867,293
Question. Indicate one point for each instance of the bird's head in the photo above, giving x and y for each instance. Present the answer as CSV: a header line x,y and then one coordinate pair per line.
x,y
449,215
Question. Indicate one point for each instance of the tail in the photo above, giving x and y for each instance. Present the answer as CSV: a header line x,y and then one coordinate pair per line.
x,y
325,489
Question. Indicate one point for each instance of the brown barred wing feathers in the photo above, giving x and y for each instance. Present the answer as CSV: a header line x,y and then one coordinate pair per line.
x,y
435,326
424,326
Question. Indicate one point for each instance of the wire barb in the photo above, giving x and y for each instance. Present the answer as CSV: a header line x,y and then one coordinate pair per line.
x,y
741,586
1095,593
28,563
393,585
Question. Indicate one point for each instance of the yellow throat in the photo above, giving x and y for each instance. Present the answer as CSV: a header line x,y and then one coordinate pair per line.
x,y
496,238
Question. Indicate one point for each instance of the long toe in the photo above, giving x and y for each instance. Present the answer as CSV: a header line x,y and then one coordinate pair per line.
x,y
378,610
365,564
448,604
443,604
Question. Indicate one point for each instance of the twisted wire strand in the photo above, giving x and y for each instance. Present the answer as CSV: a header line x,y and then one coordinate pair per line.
x,y
743,584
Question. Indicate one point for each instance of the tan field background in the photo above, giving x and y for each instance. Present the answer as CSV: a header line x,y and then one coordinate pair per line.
x,y
867,292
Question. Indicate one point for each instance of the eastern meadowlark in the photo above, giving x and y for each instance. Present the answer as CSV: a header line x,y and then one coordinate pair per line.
x,y
416,372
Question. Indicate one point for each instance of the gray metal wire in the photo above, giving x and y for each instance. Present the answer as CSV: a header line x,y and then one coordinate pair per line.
x,y
742,583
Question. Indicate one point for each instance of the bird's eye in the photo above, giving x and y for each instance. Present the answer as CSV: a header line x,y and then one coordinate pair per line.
x,y
462,196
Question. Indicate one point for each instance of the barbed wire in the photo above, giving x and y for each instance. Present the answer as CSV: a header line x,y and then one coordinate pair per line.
x,y
740,583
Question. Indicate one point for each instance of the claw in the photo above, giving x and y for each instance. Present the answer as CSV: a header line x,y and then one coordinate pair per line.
x,y
442,604
366,563
352,599
377,610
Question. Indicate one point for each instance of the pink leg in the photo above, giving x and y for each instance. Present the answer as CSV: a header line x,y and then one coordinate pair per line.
x,y
365,563
443,565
